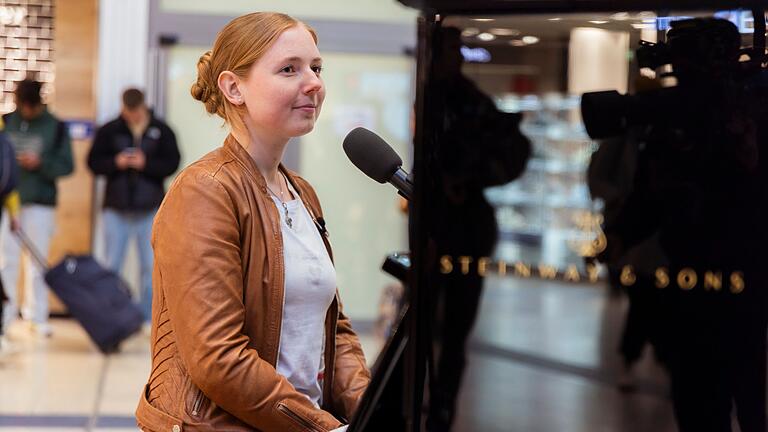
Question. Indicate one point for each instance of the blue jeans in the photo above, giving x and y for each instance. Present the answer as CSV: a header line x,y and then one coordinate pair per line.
x,y
39,222
119,228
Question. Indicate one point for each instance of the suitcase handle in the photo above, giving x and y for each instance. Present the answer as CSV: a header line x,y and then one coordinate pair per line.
x,y
32,249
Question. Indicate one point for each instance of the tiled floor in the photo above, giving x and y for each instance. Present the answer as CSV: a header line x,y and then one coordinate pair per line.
x,y
53,384
542,359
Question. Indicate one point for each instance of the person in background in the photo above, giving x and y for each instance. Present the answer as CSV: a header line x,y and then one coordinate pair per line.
x,y
136,152
9,196
43,153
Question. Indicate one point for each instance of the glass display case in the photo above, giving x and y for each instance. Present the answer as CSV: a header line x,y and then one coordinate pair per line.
x,y
539,213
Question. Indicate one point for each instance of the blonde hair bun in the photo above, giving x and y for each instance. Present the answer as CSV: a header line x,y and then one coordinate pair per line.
x,y
205,89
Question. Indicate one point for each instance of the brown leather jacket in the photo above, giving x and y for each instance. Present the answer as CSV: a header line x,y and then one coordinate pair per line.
x,y
217,310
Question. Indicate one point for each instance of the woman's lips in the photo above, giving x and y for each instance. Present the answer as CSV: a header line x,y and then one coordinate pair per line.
x,y
306,108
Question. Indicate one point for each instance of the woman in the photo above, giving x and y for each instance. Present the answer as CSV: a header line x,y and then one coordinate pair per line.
x,y
247,329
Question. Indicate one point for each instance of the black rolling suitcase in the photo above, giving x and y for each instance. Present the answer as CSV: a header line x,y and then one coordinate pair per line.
x,y
98,298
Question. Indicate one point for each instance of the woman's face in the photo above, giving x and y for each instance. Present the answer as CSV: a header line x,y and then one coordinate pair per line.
x,y
283,93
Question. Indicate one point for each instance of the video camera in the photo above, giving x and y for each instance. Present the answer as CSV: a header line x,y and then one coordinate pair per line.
x,y
704,54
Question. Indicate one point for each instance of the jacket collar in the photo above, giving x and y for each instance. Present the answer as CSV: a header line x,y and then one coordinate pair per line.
x,y
241,155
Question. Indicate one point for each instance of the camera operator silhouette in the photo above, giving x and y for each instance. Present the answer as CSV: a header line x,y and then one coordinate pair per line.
x,y
474,146
700,184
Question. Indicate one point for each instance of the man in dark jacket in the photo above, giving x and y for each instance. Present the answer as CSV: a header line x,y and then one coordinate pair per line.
x,y
136,152
43,153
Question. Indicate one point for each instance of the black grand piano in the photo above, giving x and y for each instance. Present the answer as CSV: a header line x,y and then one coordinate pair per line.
x,y
572,157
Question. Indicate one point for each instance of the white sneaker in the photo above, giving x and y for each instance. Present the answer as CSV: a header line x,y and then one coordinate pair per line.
x,y
6,347
42,329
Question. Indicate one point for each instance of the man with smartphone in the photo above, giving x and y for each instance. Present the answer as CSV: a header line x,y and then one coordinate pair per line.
x,y
136,152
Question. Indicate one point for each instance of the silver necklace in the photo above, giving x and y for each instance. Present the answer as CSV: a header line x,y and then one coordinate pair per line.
x,y
288,219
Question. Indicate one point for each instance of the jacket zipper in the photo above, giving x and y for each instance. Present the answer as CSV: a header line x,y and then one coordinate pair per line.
x,y
198,403
281,264
297,418
280,326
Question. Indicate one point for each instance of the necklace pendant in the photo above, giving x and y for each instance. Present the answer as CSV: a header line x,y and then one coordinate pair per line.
x,y
288,219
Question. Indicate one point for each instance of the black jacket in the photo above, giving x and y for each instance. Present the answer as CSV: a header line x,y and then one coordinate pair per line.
x,y
131,189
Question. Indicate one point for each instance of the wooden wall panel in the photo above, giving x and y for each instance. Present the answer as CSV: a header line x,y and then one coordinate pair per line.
x,y
76,49
76,54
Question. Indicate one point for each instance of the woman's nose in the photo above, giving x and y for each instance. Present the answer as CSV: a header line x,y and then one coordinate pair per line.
x,y
313,84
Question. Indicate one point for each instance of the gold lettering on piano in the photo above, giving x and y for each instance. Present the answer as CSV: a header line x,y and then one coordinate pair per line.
x,y
737,282
687,279
502,268
662,277
547,271
465,261
627,276
593,272
522,270
446,264
595,240
482,266
572,274
713,281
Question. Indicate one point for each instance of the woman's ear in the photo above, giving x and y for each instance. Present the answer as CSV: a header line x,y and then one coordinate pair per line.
x,y
229,84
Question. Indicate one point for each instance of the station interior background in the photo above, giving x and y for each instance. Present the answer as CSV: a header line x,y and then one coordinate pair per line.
x,y
543,352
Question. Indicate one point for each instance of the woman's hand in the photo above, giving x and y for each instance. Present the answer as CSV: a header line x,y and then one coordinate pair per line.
x,y
15,224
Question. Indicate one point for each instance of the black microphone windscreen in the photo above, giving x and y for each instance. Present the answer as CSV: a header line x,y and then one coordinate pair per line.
x,y
371,154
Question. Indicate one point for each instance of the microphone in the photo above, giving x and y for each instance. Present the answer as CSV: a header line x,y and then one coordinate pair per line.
x,y
376,159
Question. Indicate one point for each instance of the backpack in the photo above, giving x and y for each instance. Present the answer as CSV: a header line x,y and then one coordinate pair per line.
x,y
9,171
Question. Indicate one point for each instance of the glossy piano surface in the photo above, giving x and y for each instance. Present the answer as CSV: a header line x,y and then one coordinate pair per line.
x,y
589,223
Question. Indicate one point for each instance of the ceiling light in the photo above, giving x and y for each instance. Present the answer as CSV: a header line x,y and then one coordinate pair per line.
x,y
645,15
641,26
504,32
530,40
620,16
486,37
555,19
482,19
599,22
470,31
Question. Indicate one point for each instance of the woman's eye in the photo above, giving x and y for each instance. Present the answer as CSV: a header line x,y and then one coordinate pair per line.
x,y
288,69
317,69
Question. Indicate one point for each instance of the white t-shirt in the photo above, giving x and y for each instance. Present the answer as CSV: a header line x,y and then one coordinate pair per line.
x,y
310,286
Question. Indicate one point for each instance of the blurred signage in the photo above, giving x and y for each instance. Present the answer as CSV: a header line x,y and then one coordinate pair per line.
x,y
665,23
741,18
80,129
475,55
